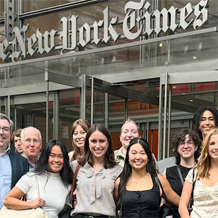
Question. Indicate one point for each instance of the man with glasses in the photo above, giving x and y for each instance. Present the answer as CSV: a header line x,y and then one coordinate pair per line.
x,y
31,141
12,165
17,140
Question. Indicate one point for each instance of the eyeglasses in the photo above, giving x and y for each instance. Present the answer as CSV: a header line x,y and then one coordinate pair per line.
x,y
35,141
189,143
5,129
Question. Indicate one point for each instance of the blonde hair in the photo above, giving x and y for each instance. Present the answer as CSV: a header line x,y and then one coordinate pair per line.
x,y
128,121
204,163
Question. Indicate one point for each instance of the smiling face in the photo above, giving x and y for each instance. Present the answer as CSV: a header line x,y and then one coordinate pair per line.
x,y
79,136
213,147
31,143
137,157
129,131
206,123
98,144
5,134
55,160
186,148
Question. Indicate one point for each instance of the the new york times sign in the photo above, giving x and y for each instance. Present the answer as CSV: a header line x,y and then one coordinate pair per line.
x,y
137,15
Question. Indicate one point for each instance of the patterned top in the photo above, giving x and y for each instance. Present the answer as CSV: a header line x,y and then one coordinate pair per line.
x,y
205,199
94,190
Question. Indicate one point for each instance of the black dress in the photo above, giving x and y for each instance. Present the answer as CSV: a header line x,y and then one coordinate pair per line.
x,y
142,204
172,176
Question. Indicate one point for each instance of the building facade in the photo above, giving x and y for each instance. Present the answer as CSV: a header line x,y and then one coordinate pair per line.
x,y
154,61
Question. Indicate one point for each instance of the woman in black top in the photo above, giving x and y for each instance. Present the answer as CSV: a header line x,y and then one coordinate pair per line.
x,y
136,192
186,145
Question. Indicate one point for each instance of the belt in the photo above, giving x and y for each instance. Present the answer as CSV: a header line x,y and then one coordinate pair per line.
x,y
82,215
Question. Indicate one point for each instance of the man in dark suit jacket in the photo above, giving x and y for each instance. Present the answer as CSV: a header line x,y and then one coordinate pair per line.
x,y
12,165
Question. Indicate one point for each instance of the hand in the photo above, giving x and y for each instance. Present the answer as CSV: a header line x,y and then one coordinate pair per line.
x,y
38,202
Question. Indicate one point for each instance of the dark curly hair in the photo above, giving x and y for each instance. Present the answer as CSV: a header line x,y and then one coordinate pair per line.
x,y
180,137
197,117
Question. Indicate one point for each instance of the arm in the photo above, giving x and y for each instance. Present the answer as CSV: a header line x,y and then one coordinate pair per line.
x,y
172,197
116,185
183,204
12,200
164,174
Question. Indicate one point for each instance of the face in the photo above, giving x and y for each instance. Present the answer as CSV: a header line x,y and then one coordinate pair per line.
x,y
213,147
17,144
5,134
186,148
55,160
98,144
31,143
79,136
137,157
207,122
129,132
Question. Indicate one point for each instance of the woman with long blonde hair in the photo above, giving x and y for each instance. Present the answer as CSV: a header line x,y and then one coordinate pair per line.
x,y
206,182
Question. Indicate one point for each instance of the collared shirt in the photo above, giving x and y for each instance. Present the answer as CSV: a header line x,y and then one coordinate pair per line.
x,y
5,175
31,167
119,156
94,190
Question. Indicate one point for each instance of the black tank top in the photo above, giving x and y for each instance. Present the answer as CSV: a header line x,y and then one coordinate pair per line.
x,y
145,203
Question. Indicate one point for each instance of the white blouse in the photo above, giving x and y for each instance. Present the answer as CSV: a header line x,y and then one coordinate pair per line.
x,y
205,199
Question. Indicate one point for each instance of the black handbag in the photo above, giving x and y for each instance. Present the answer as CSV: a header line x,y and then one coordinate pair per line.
x,y
69,207
66,211
165,209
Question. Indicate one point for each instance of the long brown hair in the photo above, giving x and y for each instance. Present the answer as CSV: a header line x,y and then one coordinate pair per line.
x,y
85,126
204,163
109,159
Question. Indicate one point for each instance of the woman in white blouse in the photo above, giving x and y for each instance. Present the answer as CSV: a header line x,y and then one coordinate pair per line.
x,y
96,176
206,185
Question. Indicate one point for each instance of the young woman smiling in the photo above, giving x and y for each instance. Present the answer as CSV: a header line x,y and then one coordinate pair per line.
x,y
96,176
54,173
78,131
206,185
136,192
186,146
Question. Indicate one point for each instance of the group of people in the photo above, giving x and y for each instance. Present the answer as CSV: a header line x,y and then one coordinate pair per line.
x,y
116,183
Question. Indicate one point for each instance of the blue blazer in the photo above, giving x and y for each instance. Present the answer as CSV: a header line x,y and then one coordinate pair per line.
x,y
19,166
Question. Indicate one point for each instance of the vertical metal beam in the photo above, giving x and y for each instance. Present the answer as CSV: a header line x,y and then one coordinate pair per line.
x,y
165,115
15,117
169,120
92,100
147,131
47,99
126,109
83,98
106,110
56,115
160,120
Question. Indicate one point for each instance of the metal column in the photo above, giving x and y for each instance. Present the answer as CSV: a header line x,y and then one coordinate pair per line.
x,y
83,98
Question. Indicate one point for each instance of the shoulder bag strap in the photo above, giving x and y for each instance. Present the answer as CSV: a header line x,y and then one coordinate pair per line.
x,y
180,174
73,187
159,184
